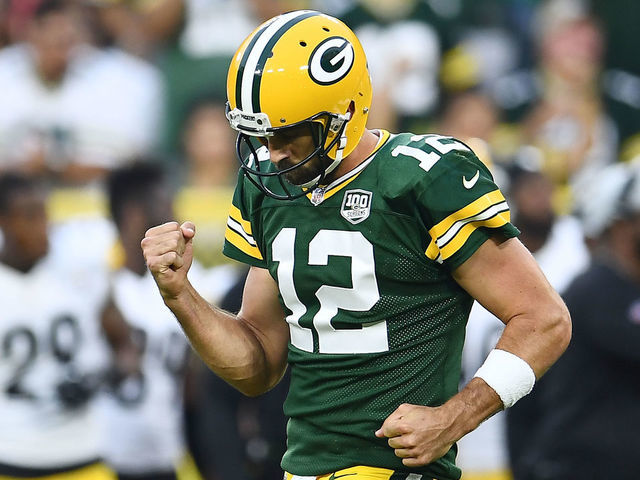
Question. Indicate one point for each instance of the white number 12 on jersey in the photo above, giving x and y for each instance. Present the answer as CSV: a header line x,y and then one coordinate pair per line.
x,y
361,297
442,145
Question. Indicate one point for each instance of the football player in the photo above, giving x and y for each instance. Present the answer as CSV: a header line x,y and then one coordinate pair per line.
x,y
366,251
49,339
142,414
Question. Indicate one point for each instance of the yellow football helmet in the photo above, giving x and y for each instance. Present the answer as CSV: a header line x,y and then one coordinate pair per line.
x,y
299,67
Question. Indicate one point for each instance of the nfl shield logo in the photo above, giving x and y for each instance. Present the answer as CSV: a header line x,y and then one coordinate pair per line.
x,y
317,196
356,205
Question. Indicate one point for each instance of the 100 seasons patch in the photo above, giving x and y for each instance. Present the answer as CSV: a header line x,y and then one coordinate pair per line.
x,y
356,205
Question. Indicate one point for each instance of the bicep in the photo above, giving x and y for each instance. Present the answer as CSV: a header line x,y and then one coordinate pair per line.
x,y
505,278
262,313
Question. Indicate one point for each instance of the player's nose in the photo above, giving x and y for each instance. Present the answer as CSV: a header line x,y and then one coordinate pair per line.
x,y
278,152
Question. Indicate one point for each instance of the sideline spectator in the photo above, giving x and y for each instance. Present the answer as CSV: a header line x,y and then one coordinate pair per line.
x,y
403,51
580,116
139,27
71,111
472,117
586,419
209,146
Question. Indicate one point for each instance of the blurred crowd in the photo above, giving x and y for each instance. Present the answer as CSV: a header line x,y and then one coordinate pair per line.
x,y
112,121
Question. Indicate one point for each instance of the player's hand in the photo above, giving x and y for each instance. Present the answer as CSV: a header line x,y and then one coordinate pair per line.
x,y
168,251
418,434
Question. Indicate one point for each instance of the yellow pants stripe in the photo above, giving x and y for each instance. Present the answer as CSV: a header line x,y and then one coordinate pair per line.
x,y
354,473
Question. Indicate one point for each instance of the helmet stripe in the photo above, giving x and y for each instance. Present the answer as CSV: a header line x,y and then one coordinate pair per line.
x,y
259,53
266,53
243,62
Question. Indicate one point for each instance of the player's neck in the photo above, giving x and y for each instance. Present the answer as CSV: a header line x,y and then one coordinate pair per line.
x,y
363,150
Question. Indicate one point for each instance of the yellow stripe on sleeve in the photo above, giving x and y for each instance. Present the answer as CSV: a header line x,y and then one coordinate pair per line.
x,y
465,232
444,226
432,250
235,214
241,244
470,210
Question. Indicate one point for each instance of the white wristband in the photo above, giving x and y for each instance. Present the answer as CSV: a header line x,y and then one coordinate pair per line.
x,y
510,376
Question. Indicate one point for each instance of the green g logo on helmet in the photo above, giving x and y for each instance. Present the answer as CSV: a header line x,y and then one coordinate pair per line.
x,y
331,61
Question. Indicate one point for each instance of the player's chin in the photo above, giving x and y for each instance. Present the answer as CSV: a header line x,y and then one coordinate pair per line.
x,y
299,179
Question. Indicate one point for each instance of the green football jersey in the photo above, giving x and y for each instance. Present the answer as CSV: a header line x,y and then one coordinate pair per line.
x,y
363,268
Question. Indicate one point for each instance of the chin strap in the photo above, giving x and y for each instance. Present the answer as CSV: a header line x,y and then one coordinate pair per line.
x,y
332,166
339,151
337,124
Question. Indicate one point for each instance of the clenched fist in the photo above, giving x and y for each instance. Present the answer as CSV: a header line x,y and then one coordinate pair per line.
x,y
168,251
419,435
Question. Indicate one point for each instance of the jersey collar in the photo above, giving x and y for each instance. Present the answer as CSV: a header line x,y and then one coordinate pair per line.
x,y
320,194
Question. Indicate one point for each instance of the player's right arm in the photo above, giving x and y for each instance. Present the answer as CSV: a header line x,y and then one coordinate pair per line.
x,y
248,350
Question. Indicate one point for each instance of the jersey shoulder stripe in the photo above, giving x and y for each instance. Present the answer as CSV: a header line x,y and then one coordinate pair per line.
x,y
450,234
239,234
244,226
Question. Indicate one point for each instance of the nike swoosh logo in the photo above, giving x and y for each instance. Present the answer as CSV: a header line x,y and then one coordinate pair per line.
x,y
468,184
334,476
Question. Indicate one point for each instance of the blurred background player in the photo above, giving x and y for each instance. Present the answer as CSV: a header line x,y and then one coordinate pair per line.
x,y
586,418
208,146
49,348
142,416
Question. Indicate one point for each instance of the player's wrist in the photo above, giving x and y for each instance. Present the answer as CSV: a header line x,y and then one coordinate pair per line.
x,y
508,375
471,406
176,294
